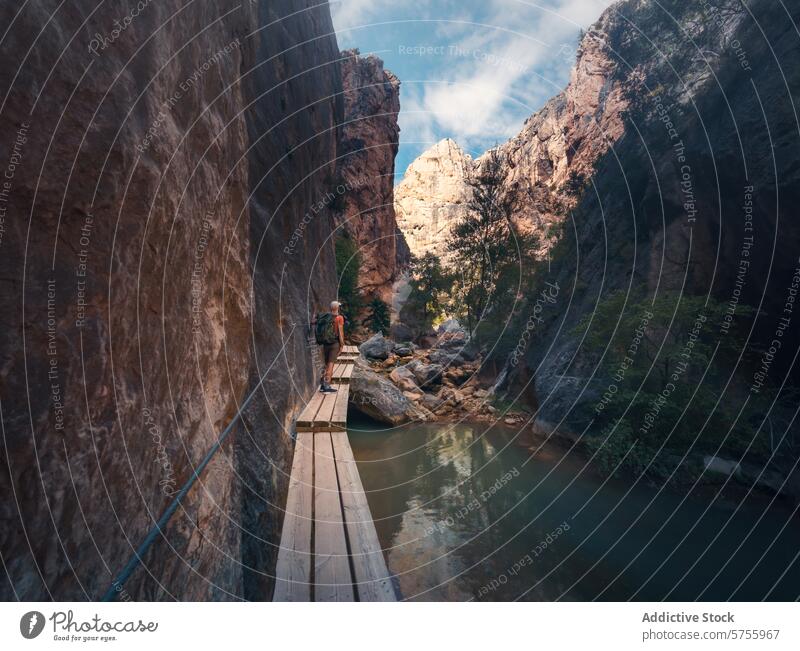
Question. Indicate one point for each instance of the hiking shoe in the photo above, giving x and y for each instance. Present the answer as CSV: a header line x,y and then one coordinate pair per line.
x,y
327,388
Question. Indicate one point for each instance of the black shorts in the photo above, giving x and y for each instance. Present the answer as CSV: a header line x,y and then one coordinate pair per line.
x,y
330,352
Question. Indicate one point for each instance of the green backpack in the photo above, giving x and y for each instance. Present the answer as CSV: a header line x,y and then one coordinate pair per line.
x,y
325,332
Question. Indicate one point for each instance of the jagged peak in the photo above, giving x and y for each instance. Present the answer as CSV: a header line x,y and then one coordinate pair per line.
x,y
446,154
446,146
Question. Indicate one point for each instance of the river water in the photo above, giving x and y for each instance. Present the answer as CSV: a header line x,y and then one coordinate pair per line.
x,y
465,513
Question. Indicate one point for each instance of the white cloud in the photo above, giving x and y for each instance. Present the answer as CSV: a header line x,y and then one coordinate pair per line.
x,y
510,57
415,122
496,78
349,13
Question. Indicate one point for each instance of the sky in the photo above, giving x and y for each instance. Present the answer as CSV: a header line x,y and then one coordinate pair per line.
x,y
471,70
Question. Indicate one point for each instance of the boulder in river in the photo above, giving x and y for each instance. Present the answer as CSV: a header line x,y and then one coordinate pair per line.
x,y
376,347
378,398
431,402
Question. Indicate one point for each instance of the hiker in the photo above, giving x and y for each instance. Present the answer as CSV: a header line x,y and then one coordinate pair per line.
x,y
329,333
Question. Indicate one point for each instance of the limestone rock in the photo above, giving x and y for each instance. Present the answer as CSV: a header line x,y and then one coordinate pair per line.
x,y
389,361
426,374
433,196
379,398
404,378
431,402
159,223
403,351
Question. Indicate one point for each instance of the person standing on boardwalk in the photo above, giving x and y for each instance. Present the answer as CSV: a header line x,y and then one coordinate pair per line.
x,y
329,333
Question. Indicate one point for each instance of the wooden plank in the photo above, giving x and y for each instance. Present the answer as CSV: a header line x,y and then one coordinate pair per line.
x,y
372,578
293,569
322,421
306,419
350,349
332,578
338,422
342,373
338,371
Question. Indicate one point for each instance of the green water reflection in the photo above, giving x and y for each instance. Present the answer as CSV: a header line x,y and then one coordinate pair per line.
x,y
468,514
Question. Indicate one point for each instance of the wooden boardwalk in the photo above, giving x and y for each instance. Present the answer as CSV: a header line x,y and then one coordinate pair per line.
x,y
329,547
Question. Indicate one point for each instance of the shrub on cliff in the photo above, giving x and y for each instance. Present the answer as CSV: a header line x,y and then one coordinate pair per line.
x,y
667,366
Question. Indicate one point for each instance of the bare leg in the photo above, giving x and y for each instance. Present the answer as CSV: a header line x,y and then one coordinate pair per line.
x,y
328,372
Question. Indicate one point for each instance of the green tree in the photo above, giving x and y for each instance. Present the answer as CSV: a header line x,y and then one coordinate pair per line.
x,y
430,286
379,317
491,262
348,266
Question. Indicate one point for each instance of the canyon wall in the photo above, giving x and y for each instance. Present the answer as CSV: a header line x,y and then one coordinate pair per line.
x,y
159,255
553,156
369,145
674,143
548,161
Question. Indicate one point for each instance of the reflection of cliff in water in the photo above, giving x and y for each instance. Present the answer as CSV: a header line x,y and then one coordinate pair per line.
x,y
464,514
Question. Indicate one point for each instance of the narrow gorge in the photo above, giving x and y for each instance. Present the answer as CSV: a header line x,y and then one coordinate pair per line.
x,y
188,187
640,181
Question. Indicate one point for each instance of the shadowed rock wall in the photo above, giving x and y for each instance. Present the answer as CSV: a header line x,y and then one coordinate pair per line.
x,y
156,170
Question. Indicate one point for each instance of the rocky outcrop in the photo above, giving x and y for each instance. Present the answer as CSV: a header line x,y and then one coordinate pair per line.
x,y
369,145
553,156
378,398
152,212
431,385
432,196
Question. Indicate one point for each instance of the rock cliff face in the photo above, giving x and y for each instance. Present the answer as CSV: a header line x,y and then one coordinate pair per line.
x,y
548,161
369,145
554,154
159,254
676,127
432,196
